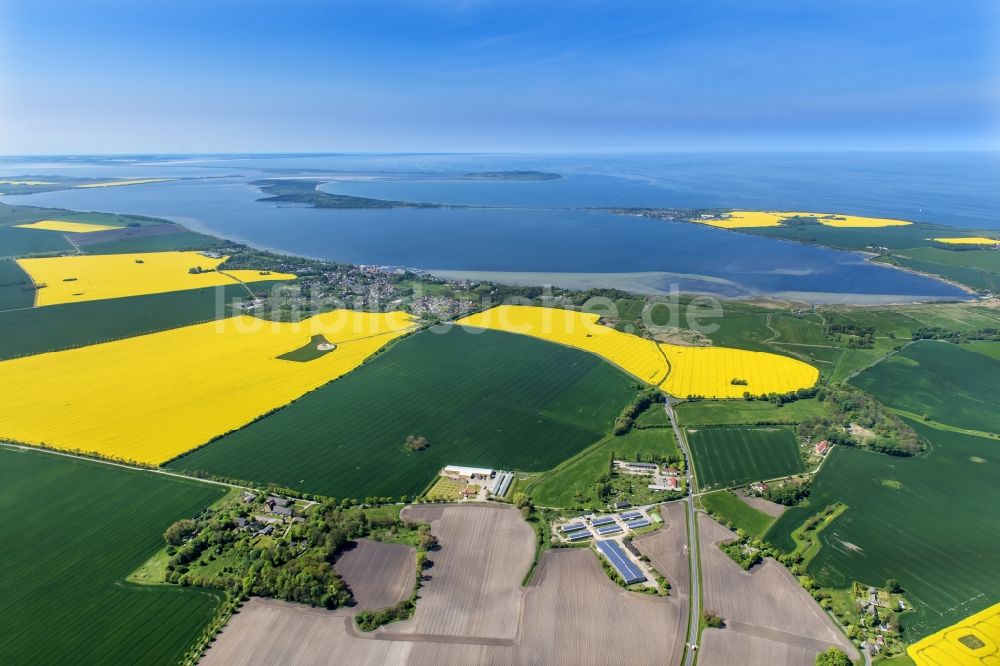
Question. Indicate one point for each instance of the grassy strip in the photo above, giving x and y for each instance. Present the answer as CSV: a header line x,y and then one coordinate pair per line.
x,y
806,536
937,425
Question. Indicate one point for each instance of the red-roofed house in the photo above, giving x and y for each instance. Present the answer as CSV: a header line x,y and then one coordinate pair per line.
x,y
822,448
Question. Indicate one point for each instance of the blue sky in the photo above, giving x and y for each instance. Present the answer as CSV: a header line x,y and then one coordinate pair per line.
x,y
480,75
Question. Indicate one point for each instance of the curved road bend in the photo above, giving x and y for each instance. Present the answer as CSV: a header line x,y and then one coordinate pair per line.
x,y
694,598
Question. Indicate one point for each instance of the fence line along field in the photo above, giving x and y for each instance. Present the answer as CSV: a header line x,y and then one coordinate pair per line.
x,y
731,456
64,595
150,398
711,372
80,278
479,398
931,504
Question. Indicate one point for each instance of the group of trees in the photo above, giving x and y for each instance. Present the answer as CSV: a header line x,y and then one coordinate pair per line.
x,y
848,405
789,493
298,568
631,411
416,443
938,333
712,620
782,398
741,552
858,337
833,657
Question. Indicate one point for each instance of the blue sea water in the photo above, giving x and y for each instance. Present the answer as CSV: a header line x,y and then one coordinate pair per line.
x,y
544,227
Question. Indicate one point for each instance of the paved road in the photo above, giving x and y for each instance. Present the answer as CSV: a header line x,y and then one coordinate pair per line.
x,y
694,603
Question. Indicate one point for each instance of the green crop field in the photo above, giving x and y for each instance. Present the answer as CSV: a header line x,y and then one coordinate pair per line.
x,y
739,513
16,290
960,317
185,240
990,349
986,260
885,321
743,412
914,235
921,520
951,384
73,531
487,399
976,278
16,242
579,474
56,327
806,329
733,456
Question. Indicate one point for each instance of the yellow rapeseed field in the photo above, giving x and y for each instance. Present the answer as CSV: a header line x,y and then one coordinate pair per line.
x,y
744,219
680,371
95,277
975,641
116,183
577,329
63,225
973,240
710,371
150,398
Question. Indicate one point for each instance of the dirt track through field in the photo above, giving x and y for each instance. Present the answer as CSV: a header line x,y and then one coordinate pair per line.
x,y
379,574
572,613
769,617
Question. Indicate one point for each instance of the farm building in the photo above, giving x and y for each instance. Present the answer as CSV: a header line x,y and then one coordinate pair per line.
x,y
620,560
460,473
501,484
669,483
822,447
637,467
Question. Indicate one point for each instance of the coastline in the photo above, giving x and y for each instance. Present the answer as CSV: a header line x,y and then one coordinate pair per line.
x,y
649,283
869,258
